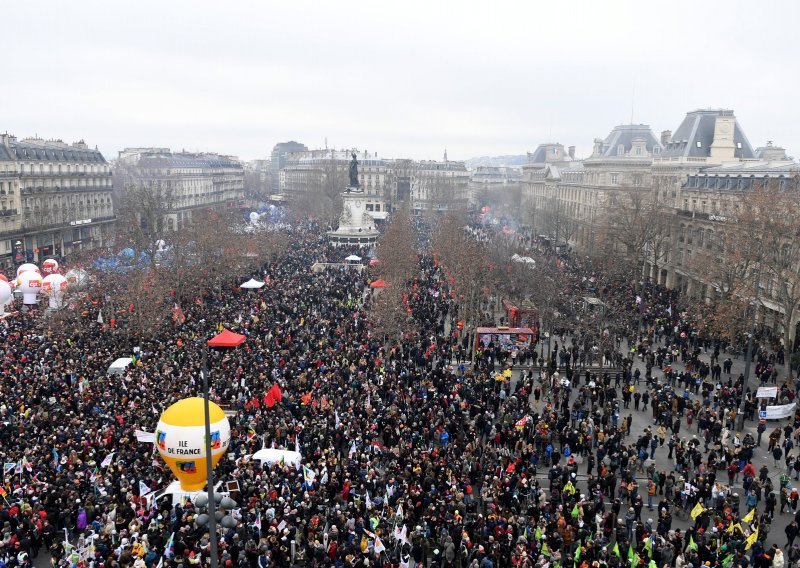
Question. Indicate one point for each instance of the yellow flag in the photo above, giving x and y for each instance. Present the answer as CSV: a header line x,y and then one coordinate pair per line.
x,y
748,518
751,540
697,510
730,528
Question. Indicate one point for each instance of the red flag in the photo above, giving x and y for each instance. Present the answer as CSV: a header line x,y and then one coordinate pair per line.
x,y
276,393
269,400
306,398
177,315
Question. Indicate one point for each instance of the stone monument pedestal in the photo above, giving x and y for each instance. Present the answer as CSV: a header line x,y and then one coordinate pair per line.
x,y
356,225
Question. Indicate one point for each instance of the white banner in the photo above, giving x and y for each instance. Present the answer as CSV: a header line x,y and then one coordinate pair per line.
x,y
145,437
780,411
767,392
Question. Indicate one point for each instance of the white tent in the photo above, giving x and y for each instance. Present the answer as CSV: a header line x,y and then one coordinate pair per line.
x,y
272,455
353,258
252,284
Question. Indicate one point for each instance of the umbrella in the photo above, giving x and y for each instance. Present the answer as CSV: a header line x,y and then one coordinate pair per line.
x,y
226,339
252,284
379,283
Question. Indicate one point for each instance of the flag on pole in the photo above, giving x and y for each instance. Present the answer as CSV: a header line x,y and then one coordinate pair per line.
x,y
100,317
337,422
748,518
616,550
404,535
697,510
143,489
8,466
520,425
308,476
751,540
257,522
575,511
379,547
648,546
692,544
26,464
369,501
169,549
107,461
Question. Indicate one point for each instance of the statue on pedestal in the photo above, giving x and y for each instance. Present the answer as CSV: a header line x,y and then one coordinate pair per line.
x,y
354,171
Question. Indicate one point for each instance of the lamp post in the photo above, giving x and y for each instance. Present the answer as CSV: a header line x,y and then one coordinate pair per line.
x,y
212,522
749,354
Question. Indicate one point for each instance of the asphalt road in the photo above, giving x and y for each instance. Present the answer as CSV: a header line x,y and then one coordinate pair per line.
x,y
643,419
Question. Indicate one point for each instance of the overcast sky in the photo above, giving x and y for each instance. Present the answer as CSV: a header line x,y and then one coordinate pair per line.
x,y
403,78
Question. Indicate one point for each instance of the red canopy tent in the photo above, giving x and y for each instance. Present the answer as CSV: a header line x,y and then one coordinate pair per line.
x,y
226,339
379,283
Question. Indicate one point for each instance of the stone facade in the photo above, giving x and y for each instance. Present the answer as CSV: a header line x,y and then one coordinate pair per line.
x,y
55,199
188,181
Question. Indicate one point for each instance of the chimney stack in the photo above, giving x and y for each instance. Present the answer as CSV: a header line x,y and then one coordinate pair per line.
x,y
571,152
666,137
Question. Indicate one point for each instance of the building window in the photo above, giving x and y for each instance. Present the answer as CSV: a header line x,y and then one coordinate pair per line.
x,y
637,179
614,179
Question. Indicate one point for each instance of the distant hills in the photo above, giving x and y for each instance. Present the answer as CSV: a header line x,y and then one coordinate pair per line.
x,y
511,160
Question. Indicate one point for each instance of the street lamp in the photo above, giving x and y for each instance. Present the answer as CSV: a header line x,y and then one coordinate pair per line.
x,y
749,354
212,522
225,504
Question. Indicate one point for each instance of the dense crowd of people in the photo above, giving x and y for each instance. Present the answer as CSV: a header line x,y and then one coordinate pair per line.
x,y
410,456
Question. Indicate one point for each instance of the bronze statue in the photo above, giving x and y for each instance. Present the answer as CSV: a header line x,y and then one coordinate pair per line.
x,y
354,171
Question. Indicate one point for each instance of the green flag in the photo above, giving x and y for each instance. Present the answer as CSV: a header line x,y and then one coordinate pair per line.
x,y
652,564
538,534
631,553
727,561
545,550
578,552
616,549
648,546
575,511
635,561
692,544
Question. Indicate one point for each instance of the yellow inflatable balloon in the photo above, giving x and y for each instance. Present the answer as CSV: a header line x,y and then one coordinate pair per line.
x,y
180,439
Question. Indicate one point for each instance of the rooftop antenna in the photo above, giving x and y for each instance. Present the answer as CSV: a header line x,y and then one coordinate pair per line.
x,y
326,142
633,98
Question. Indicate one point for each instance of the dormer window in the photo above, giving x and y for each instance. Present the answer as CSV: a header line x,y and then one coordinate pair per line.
x,y
621,150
